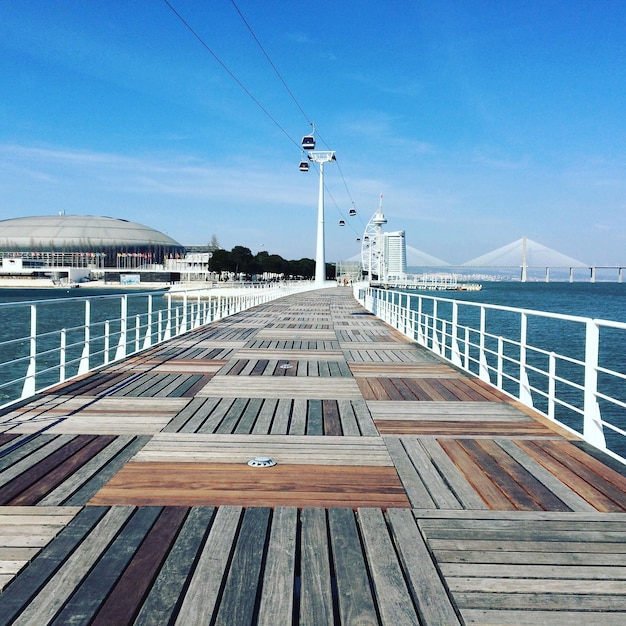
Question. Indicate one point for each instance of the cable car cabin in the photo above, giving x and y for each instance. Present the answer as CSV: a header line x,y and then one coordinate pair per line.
x,y
342,223
352,212
358,239
308,142
304,166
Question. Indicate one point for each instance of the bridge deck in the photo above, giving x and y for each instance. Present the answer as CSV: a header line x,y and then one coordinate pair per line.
x,y
405,492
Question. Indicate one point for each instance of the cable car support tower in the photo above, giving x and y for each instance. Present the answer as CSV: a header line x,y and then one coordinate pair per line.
x,y
320,157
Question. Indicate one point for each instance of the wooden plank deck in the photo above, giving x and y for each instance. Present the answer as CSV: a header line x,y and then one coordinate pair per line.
x,y
405,491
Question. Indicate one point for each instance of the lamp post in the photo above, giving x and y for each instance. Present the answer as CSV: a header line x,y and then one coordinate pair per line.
x,y
321,157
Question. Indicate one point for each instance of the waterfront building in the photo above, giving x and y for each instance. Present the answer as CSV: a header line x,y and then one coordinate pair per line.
x,y
76,247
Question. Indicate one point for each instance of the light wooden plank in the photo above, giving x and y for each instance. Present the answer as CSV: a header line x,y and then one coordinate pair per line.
x,y
316,602
390,587
429,592
276,605
54,594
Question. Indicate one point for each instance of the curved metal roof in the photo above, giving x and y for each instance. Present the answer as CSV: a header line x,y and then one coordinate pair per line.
x,y
78,232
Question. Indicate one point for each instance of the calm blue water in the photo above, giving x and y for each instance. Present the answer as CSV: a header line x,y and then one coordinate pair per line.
x,y
596,300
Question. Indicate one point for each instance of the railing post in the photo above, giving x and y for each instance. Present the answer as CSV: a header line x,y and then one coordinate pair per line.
x,y
107,340
552,386
435,346
500,370
137,331
120,353
147,342
29,382
83,366
62,355
168,323
483,368
524,386
592,421
183,320
454,343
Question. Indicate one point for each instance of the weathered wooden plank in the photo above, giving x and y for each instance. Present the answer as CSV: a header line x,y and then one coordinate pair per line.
x,y
543,572
418,494
392,594
428,591
356,605
99,479
26,479
212,423
243,582
490,493
487,617
200,602
280,424
122,603
570,476
277,598
249,416
298,424
364,418
168,588
53,595
349,424
316,599
263,423
315,424
332,422
93,590
48,444
566,495
19,594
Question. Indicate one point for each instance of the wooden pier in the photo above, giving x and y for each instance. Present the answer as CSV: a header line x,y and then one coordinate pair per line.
x,y
405,491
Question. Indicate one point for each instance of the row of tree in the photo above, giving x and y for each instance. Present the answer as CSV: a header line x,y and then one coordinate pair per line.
x,y
240,260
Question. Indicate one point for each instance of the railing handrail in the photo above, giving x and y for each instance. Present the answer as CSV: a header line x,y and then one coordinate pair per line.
x,y
97,342
529,373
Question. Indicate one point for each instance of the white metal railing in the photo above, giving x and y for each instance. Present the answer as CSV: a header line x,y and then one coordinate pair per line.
x,y
46,342
571,369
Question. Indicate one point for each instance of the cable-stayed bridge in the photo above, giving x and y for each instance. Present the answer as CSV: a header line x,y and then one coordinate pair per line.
x,y
524,255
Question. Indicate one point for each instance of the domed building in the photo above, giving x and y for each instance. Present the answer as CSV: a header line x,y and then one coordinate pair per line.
x,y
40,244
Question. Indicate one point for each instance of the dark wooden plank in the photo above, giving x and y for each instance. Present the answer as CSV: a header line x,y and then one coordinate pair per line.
x,y
259,368
521,498
232,417
539,492
38,472
249,416
43,608
356,605
315,424
122,604
22,447
20,592
332,423
239,598
316,598
492,496
56,476
102,477
569,475
86,600
190,387
168,589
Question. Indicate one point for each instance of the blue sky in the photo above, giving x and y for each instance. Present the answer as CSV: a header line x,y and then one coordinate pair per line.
x,y
479,121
